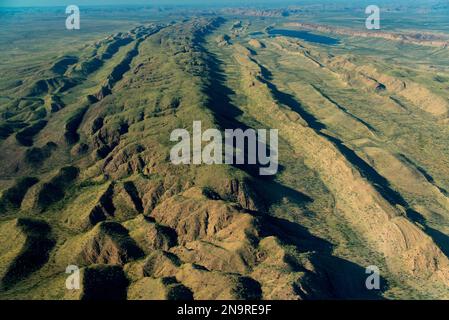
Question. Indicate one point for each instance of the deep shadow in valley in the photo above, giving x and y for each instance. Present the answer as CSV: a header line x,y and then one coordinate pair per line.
x,y
343,279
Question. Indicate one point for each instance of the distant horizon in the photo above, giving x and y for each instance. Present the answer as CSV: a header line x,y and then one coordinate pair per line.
x,y
62,3
59,3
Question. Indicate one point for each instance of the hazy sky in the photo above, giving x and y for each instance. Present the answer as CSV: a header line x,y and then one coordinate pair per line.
x,y
32,3
26,3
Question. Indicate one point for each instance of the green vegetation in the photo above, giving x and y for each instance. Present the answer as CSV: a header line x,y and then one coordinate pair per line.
x,y
85,175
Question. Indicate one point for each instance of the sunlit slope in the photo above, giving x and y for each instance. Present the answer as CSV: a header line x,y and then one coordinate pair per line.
x,y
86,177
364,130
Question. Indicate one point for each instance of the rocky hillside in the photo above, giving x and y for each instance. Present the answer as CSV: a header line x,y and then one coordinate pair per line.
x,y
86,177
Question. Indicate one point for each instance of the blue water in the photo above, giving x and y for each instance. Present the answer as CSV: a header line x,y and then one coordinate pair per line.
x,y
257,33
305,35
